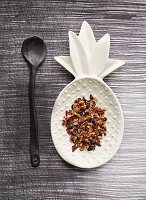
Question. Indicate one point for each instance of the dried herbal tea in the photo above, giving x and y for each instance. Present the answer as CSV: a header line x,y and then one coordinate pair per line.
x,y
85,123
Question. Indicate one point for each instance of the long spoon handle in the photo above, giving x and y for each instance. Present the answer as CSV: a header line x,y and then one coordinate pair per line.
x,y
34,146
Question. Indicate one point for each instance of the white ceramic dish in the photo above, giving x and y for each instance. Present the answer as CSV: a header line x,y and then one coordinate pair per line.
x,y
89,63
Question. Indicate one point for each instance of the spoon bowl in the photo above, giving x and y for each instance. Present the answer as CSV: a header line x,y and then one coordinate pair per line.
x,y
34,50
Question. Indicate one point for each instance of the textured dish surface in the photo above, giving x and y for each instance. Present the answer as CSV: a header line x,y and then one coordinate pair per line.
x,y
115,123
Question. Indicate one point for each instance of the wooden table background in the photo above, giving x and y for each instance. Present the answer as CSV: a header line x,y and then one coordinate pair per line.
x,y
124,177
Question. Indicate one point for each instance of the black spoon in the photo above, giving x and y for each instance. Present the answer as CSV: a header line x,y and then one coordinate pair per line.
x,y
34,51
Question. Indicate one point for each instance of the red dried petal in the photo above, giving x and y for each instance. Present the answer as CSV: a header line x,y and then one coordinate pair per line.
x,y
74,147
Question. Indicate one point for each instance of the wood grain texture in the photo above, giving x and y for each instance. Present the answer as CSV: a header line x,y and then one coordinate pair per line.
x,y
124,177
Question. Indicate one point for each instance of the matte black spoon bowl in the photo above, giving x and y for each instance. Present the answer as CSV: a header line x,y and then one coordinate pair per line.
x,y
34,51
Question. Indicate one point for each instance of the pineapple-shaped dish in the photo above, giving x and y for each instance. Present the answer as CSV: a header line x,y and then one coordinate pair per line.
x,y
89,62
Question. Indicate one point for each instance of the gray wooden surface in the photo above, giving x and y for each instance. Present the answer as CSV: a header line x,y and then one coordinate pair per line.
x,y
124,177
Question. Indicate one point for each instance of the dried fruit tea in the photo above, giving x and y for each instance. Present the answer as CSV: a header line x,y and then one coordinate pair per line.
x,y
85,123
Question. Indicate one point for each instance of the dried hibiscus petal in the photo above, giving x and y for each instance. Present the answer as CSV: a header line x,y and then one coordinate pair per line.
x,y
74,147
